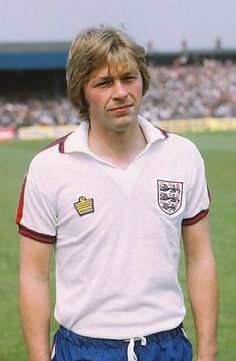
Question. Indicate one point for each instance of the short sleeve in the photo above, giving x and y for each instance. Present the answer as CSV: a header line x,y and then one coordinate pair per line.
x,y
197,193
36,216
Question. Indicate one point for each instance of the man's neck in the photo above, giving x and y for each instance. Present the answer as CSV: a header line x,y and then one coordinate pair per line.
x,y
118,148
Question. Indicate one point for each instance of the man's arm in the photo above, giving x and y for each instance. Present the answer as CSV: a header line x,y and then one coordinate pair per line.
x,y
34,297
202,287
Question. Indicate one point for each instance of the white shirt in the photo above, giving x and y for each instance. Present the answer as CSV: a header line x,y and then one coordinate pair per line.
x,y
116,232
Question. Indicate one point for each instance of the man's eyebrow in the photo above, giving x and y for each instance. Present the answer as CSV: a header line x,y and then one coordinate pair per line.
x,y
105,77
102,78
128,72
108,77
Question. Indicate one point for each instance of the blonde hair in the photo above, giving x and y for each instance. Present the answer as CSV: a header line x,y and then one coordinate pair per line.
x,y
93,48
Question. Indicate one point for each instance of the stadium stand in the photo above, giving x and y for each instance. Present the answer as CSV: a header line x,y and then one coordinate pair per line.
x,y
184,86
32,68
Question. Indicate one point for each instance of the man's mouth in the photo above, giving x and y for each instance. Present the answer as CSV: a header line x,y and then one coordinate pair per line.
x,y
121,107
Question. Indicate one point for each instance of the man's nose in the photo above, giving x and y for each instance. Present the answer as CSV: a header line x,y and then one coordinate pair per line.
x,y
119,90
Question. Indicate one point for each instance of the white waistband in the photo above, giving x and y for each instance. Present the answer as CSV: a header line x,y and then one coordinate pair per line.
x,y
130,351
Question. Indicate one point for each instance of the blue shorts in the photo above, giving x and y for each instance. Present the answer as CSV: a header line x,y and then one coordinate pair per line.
x,y
170,345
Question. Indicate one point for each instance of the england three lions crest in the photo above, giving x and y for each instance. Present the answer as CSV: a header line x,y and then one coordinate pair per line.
x,y
169,196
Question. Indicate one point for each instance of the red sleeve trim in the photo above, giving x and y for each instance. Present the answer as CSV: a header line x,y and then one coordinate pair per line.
x,y
44,238
21,203
195,219
209,194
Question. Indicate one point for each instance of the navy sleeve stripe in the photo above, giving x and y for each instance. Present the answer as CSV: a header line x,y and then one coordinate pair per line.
x,y
60,142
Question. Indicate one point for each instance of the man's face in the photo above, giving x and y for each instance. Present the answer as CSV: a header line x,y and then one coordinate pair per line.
x,y
114,97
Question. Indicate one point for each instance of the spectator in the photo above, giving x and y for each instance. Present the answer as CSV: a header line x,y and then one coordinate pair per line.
x,y
178,92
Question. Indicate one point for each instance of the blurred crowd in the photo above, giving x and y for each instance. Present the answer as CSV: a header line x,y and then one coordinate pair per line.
x,y
196,91
36,111
176,92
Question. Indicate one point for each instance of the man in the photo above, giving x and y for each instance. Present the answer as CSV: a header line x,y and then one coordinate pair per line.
x,y
113,198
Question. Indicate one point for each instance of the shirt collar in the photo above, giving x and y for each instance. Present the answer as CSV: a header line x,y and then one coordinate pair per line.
x,y
151,133
78,140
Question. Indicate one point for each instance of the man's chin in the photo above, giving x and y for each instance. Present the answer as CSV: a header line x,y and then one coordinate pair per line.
x,y
123,123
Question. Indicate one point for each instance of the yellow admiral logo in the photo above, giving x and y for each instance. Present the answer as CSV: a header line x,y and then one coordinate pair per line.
x,y
84,206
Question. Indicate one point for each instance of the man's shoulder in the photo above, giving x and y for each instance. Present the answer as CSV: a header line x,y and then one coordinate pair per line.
x,y
177,140
51,154
57,145
180,139
177,146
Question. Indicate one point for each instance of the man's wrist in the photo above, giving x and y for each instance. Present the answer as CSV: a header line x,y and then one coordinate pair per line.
x,y
207,355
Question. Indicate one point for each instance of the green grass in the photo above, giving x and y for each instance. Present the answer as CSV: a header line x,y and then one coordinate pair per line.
x,y
219,151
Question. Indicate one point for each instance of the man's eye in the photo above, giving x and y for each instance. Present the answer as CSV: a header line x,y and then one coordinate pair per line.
x,y
130,78
103,84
